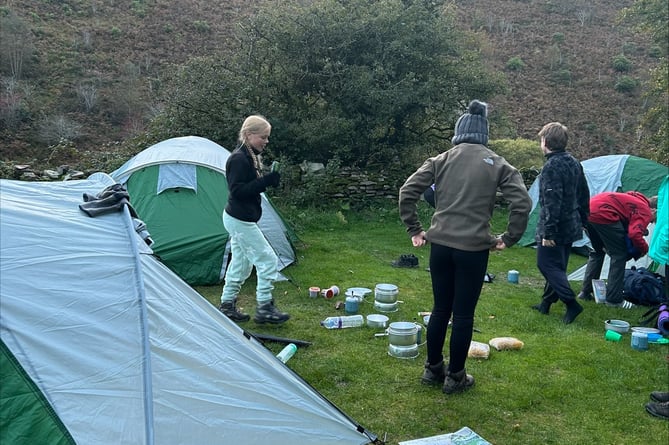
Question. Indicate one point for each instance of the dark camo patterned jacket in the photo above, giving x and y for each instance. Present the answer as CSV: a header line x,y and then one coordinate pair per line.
x,y
564,198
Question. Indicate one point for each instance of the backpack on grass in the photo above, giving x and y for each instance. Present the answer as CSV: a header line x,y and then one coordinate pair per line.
x,y
643,287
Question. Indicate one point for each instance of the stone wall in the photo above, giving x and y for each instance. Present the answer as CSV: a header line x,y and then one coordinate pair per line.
x,y
356,185
25,172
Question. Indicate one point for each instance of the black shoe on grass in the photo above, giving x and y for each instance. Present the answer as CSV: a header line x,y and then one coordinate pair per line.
x,y
457,382
434,374
229,309
543,307
409,261
573,309
659,396
268,313
585,296
658,409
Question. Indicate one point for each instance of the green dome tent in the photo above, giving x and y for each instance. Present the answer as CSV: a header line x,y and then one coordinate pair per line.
x,y
179,190
610,173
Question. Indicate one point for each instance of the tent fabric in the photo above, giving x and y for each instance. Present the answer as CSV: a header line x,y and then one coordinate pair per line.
x,y
172,176
178,188
605,173
123,350
38,421
186,226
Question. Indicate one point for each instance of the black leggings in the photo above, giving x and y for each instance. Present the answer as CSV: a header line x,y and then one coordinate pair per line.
x,y
457,279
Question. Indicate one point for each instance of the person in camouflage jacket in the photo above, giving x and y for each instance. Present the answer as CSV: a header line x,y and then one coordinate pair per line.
x,y
564,199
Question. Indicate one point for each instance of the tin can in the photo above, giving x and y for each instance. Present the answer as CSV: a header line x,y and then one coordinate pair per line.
x,y
639,341
513,276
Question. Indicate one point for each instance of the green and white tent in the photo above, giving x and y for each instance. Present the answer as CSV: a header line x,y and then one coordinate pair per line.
x,y
178,188
610,173
103,344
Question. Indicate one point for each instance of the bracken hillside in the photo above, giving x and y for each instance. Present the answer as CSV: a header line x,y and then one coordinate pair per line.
x,y
89,68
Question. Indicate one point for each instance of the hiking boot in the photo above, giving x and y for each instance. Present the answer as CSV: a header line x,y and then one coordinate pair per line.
x,y
268,313
657,409
229,309
406,261
659,396
573,309
585,296
434,374
457,382
542,307
623,304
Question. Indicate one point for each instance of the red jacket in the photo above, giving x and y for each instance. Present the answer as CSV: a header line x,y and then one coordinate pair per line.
x,y
630,208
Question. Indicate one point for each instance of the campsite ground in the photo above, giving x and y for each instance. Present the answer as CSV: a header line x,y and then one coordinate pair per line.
x,y
567,385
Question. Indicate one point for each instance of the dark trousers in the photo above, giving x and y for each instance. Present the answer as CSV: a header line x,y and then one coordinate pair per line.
x,y
457,279
607,239
552,263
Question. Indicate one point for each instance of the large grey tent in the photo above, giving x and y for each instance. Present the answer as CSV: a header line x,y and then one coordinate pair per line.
x,y
103,344
179,190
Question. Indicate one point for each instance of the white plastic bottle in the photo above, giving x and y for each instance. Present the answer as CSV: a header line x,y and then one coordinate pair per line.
x,y
287,352
349,321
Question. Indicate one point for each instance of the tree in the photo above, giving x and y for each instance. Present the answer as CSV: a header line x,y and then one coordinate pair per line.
x,y
652,17
16,47
364,81
654,127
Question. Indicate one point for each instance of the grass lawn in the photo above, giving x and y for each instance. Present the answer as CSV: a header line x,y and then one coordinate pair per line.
x,y
566,386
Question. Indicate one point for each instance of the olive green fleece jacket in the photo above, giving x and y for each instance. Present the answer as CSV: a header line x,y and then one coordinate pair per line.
x,y
467,178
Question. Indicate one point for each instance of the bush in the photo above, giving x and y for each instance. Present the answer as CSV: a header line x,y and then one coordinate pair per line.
x,y
58,128
201,26
521,153
562,76
139,8
515,64
626,84
368,82
621,64
630,48
655,52
590,128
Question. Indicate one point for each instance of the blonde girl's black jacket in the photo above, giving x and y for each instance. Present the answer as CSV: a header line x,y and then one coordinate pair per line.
x,y
245,186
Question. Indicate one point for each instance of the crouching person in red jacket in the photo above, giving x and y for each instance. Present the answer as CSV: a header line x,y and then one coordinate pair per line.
x,y
616,225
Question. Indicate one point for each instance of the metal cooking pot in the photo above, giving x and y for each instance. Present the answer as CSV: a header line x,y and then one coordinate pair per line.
x,y
402,333
385,293
385,307
403,351
385,298
377,321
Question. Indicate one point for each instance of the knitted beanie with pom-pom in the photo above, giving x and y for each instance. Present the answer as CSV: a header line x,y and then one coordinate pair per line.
x,y
472,127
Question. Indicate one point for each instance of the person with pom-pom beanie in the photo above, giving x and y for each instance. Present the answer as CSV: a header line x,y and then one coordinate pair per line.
x,y
466,179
